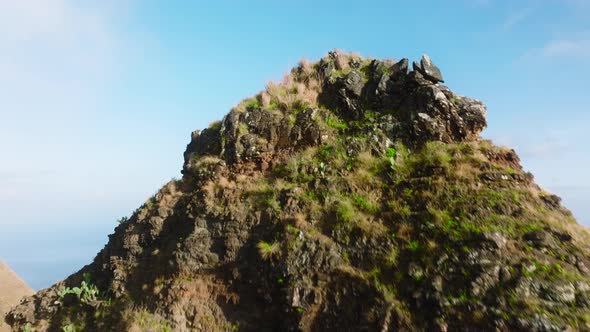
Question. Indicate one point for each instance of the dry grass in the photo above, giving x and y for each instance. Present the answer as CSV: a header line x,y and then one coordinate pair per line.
x,y
305,67
210,190
300,88
371,226
225,183
557,219
145,321
341,60
307,74
300,221
432,245
323,239
352,271
207,161
404,231
361,179
290,95
368,161
265,99
465,171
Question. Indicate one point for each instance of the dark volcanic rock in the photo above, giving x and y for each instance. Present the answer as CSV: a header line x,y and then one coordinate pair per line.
x,y
429,70
539,239
400,68
416,67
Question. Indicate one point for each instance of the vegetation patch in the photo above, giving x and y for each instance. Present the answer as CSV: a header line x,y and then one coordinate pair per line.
x,y
269,250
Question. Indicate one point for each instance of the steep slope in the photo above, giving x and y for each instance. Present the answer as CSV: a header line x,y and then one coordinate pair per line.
x,y
12,289
356,195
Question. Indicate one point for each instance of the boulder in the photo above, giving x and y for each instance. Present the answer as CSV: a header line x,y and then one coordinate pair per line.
x,y
539,239
429,70
416,67
562,293
400,68
354,83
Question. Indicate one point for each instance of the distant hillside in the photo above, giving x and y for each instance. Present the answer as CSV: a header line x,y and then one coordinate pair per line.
x,y
12,289
355,195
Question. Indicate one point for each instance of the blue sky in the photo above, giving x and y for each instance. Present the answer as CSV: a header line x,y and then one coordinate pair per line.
x,y
98,98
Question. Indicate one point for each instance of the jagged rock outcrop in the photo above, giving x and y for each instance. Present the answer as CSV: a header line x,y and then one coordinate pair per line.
x,y
428,70
355,195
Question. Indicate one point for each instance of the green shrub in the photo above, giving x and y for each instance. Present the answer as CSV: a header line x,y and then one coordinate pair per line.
x,y
87,292
414,246
433,154
390,258
243,129
391,153
265,198
345,212
248,105
400,208
326,152
336,123
364,205
268,250
215,125
68,328
150,322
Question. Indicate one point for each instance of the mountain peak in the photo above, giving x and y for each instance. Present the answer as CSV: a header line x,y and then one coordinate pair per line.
x,y
354,195
362,93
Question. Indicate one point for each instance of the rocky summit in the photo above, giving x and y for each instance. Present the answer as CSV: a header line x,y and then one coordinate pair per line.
x,y
355,195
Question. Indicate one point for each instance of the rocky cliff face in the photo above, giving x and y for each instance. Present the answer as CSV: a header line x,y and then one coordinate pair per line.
x,y
355,195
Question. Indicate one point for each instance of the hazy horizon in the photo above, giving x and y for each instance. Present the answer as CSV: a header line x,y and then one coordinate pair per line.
x,y
98,98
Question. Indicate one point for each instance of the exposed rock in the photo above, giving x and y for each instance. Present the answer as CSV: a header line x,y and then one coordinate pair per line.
x,y
496,238
417,68
353,83
551,200
400,68
564,293
429,70
539,239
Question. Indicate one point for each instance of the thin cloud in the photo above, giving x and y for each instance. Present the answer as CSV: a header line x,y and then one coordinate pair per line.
x,y
582,3
56,57
546,150
571,187
46,44
52,23
575,48
516,18
477,3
